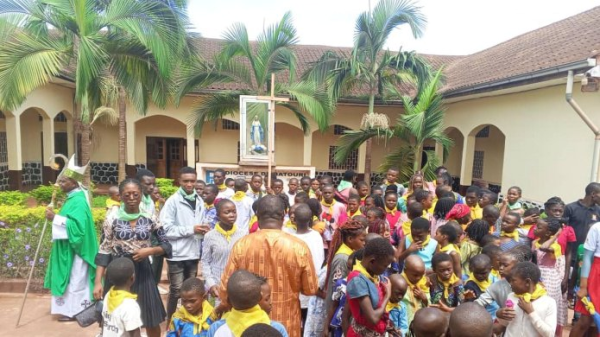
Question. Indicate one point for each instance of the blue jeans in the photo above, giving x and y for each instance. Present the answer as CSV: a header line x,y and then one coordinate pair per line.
x,y
179,271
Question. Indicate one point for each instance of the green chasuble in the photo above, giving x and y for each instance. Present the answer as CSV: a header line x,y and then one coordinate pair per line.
x,y
82,242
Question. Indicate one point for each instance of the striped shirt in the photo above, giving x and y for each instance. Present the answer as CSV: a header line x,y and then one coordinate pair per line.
x,y
215,253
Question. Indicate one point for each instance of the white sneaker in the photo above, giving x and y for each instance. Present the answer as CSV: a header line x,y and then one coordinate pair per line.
x,y
162,291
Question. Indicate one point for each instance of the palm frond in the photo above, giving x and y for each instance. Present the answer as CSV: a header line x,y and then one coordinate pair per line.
x,y
313,100
213,108
353,139
273,49
304,125
105,115
401,157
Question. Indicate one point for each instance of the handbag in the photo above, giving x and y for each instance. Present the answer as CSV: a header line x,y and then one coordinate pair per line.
x,y
90,315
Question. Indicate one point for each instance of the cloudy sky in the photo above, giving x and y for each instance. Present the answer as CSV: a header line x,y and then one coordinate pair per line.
x,y
454,27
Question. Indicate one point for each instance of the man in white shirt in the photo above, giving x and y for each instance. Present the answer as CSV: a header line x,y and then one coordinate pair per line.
x,y
243,205
292,190
219,180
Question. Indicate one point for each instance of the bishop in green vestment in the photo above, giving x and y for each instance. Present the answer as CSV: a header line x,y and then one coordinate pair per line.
x,y
71,269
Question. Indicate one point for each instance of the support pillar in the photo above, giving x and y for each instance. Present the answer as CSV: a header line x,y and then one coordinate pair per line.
x,y
48,174
362,151
439,152
191,148
307,155
70,138
15,157
130,169
468,154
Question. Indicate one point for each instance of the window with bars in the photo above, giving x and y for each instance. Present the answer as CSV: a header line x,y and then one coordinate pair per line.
x,y
229,125
351,162
478,165
60,118
339,130
483,133
3,148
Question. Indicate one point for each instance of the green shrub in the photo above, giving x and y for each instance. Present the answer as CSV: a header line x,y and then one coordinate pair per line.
x,y
18,215
43,194
166,187
99,201
12,198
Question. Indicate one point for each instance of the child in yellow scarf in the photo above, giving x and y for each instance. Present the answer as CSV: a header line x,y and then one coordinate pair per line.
x,y
446,236
418,295
195,315
245,295
120,311
446,288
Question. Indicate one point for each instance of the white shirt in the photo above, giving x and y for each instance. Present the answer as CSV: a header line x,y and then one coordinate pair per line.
x,y
541,322
244,212
592,241
226,194
314,241
292,198
126,317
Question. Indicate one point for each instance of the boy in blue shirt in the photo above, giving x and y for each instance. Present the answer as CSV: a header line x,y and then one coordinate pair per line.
x,y
395,308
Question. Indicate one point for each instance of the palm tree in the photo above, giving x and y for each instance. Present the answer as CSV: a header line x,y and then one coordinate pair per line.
x,y
251,64
370,68
422,121
113,50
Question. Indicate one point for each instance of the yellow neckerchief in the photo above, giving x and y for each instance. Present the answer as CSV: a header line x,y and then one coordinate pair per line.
x,y
496,274
209,207
391,211
447,284
253,219
328,205
240,320
390,306
406,227
449,248
526,226
114,298
200,322
424,244
537,293
238,196
361,269
226,234
222,187
482,285
358,212
514,235
362,199
315,218
555,247
344,250
421,284
311,194
112,203
290,225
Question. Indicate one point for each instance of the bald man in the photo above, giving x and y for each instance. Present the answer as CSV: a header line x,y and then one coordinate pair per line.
x,y
430,322
470,320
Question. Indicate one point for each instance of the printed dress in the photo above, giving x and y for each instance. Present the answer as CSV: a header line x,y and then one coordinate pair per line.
x,y
316,310
553,271
121,239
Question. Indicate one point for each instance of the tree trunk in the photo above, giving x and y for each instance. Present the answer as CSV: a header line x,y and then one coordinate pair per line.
x,y
85,151
369,143
418,157
122,133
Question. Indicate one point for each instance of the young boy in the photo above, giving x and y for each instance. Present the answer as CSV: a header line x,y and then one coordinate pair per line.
x,y
534,311
255,192
367,293
395,308
418,296
446,236
472,200
200,184
363,191
292,190
469,320
494,252
120,312
446,290
352,209
419,243
426,199
266,304
244,295
429,322
277,186
491,215
413,211
209,196
195,315
243,204
509,236
113,202
487,198
391,178
525,228
480,280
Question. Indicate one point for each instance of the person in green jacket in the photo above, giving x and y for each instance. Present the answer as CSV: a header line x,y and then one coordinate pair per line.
x,y
71,269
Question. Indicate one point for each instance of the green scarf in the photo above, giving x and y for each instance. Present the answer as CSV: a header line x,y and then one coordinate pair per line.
x,y
344,185
124,216
147,202
188,197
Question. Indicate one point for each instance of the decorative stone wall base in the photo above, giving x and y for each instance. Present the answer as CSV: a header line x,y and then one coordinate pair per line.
x,y
32,173
4,177
104,173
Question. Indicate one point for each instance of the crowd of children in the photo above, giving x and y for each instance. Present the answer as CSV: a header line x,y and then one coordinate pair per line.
x,y
416,261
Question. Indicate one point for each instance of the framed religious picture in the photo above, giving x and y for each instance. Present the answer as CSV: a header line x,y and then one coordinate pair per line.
x,y
255,139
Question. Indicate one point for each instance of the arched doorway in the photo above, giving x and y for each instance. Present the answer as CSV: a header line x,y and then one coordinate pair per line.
x,y
161,143
32,154
289,145
488,156
453,160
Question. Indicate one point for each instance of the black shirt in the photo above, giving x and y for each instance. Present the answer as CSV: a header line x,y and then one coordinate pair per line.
x,y
581,218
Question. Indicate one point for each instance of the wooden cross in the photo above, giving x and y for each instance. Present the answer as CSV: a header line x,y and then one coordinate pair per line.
x,y
271,127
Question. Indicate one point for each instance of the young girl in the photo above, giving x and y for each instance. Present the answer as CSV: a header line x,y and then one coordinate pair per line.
x,y
217,245
446,290
415,210
347,238
442,208
461,213
377,223
419,243
525,228
352,209
445,236
534,311
415,184
552,267
512,201
391,209
471,246
494,253
368,293
363,191
509,236
339,295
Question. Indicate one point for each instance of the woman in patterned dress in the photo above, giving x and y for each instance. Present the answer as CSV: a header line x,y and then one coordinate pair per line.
x,y
129,235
